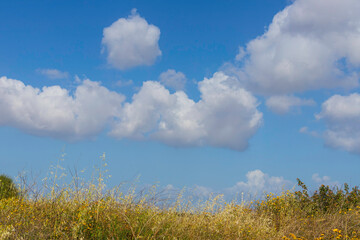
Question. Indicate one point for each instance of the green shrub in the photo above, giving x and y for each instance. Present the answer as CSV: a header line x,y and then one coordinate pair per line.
x,y
328,200
7,187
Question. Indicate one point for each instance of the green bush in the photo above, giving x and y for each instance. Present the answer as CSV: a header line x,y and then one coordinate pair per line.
x,y
328,200
7,187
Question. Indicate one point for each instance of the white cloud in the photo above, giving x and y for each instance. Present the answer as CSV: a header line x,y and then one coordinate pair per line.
x,y
201,192
53,112
325,180
53,73
173,79
282,104
342,118
305,130
131,42
124,83
226,116
241,54
79,80
169,187
257,183
309,45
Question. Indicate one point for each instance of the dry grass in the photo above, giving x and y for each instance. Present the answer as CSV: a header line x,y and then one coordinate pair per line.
x,y
87,211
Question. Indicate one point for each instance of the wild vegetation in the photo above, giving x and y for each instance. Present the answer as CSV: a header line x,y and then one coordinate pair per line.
x,y
7,187
84,210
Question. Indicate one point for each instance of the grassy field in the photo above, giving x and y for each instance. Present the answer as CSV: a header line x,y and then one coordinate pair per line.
x,y
84,210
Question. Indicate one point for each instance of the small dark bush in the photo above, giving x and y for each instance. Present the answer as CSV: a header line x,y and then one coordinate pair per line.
x,y
7,187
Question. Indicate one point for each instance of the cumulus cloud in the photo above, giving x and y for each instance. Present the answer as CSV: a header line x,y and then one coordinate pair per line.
x,y
173,79
342,118
309,45
283,103
325,180
131,42
53,73
52,111
225,116
258,183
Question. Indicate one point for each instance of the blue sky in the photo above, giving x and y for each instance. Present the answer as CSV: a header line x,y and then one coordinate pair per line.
x,y
234,96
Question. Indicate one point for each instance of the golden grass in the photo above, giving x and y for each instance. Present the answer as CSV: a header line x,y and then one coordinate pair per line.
x,y
86,211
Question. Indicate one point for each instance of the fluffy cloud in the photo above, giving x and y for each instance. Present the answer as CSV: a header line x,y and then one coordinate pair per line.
x,y
342,118
309,45
53,112
53,73
325,180
258,183
282,104
173,79
131,42
226,116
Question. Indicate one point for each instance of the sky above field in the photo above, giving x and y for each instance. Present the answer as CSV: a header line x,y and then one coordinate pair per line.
x,y
216,96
